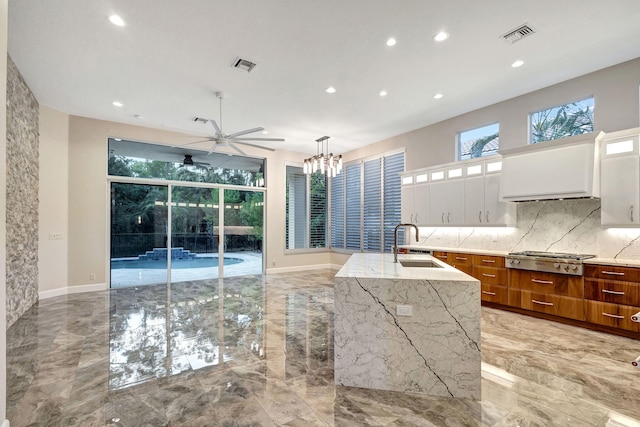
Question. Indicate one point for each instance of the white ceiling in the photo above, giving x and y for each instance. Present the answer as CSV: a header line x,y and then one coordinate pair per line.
x,y
171,56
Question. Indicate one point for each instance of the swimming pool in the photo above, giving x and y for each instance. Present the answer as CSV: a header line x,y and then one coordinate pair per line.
x,y
151,264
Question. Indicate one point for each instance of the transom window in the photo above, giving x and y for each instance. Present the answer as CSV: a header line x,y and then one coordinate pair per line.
x,y
574,118
479,142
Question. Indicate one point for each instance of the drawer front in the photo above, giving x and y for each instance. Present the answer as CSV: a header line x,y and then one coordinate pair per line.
x,y
493,293
626,293
465,268
625,274
557,305
490,275
455,258
442,256
547,283
488,261
615,315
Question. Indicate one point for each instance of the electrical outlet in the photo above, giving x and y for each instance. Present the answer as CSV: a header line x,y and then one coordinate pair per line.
x,y
273,263
55,236
92,276
495,236
404,310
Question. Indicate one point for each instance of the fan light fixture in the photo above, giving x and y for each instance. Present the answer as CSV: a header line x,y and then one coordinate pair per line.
x,y
329,165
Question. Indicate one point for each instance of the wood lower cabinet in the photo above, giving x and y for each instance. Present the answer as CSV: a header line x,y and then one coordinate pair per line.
x,y
612,315
494,293
557,305
547,283
461,261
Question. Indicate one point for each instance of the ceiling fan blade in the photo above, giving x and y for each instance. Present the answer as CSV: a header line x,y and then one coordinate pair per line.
x,y
192,142
253,145
215,126
260,139
233,145
244,132
213,148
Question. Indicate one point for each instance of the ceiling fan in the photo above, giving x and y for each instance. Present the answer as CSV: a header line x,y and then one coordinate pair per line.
x,y
188,161
221,139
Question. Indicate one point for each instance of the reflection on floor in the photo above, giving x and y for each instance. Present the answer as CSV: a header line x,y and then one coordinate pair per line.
x,y
254,351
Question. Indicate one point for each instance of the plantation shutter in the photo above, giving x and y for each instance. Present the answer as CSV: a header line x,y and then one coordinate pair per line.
x,y
337,211
372,219
393,167
353,207
296,214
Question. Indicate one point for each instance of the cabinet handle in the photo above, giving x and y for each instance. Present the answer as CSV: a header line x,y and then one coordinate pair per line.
x,y
448,217
416,221
488,293
606,291
612,273
631,212
479,216
489,260
442,218
486,217
488,275
442,256
542,302
615,316
461,258
544,282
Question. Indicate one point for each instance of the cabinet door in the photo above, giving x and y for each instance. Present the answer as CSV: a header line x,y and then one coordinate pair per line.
x,y
438,205
455,202
421,204
620,192
474,212
495,211
407,196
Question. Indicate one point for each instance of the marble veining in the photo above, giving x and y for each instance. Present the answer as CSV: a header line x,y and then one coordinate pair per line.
x,y
258,351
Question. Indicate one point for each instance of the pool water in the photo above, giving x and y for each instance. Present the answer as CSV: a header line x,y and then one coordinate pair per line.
x,y
201,262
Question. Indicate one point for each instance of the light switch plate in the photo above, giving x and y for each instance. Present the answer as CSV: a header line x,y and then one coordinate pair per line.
x,y
55,236
404,310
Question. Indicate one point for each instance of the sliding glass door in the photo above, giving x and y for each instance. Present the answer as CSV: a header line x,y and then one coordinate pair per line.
x,y
193,222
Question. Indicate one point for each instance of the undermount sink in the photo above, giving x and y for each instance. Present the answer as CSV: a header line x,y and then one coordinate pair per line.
x,y
422,263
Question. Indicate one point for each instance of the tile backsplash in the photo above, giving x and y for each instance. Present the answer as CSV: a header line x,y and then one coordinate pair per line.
x,y
552,225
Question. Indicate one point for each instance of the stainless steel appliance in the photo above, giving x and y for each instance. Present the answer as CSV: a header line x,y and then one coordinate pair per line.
x,y
552,262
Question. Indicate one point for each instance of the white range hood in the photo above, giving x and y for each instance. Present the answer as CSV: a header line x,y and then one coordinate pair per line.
x,y
561,169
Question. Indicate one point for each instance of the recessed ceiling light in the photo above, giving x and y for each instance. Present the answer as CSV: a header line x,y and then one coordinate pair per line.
x,y
438,96
117,103
116,20
441,36
391,41
383,93
265,132
517,63
330,89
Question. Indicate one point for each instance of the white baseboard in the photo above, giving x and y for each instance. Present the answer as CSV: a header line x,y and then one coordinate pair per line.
x,y
5,423
66,290
302,268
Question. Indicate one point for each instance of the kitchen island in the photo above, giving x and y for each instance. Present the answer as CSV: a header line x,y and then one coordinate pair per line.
x,y
407,328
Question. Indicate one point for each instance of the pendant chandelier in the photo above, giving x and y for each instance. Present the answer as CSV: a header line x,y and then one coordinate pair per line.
x,y
329,165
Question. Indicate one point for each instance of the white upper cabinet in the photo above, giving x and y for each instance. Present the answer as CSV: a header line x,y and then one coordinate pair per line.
x,y
459,194
415,198
620,179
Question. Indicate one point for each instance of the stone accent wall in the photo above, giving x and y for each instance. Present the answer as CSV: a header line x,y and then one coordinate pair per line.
x,y
22,195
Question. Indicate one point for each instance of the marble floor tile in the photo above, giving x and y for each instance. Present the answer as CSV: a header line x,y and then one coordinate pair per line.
x,y
253,351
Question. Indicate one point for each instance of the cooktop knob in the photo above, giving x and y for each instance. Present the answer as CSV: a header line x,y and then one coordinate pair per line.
x,y
574,267
556,265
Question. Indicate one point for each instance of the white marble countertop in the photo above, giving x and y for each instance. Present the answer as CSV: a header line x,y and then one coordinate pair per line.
x,y
381,266
613,261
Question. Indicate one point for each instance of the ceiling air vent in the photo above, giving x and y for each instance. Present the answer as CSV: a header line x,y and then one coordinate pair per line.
x,y
243,64
518,34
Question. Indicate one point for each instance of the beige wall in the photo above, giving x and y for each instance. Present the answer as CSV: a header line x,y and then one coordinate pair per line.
x,y
617,107
53,197
88,198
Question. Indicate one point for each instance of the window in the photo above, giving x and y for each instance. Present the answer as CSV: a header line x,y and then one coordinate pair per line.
x,y
478,142
305,210
575,118
365,204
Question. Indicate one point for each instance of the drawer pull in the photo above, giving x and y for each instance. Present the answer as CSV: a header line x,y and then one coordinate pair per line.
x,y
461,258
489,260
612,273
488,293
542,302
442,256
544,282
488,275
606,291
615,316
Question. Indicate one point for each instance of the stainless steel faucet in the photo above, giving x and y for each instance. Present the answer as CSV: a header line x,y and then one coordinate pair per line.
x,y
394,248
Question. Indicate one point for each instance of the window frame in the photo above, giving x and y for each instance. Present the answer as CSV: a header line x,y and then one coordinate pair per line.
x,y
459,141
581,99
